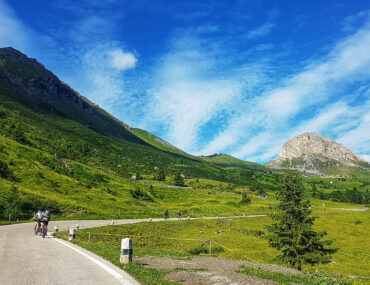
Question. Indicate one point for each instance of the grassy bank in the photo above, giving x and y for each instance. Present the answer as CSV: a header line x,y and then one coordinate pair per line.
x,y
239,239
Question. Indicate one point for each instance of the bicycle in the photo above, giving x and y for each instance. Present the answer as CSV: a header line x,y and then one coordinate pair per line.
x,y
44,230
37,230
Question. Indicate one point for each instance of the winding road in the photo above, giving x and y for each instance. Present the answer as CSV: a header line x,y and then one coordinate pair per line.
x,y
29,259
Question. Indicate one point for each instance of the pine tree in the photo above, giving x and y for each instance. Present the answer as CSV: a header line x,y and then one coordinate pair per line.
x,y
292,231
245,198
161,175
138,176
179,181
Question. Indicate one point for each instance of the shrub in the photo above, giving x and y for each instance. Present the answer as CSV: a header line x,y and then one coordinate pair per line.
x,y
245,198
4,170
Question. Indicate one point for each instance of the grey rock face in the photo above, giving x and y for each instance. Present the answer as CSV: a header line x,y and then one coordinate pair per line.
x,y
311,152
317,145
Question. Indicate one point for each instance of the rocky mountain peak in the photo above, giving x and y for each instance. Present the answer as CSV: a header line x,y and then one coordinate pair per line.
x,y
317,145
313,153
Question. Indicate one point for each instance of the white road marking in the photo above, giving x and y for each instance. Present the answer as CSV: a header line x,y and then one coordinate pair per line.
x,y
122,279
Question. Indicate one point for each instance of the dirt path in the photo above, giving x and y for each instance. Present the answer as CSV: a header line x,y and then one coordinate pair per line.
x,y
209,270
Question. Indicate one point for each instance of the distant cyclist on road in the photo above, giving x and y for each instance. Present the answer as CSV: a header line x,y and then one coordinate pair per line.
x,y
180,215
166,214
38,217
45,219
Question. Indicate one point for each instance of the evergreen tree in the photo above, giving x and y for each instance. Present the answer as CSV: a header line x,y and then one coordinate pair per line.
x,y
4,169
179,181
138,176
245,198
314,191
161,175
292,231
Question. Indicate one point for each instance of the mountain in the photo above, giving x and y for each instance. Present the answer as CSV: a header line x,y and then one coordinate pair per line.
x,y
29,82
226,160
158,142
312,153
61,151
40,111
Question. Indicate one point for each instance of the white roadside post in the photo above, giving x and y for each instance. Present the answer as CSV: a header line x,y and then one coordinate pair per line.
x,y
56,229
77,226
72,234
112,223
126,251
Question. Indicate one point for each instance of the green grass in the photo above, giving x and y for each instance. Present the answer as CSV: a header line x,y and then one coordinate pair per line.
x,y
84,191
159,143
241,239
225,160
309,279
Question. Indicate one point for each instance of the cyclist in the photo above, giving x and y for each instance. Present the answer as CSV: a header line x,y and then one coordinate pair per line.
x,y
38,216
166,214
180,215
45,219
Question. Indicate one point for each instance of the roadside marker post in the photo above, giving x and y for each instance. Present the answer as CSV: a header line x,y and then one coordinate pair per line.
x,y
56,228
126,251
72,234
77,226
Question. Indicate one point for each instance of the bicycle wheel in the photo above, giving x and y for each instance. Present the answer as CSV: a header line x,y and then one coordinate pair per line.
x,y
35,230
43,232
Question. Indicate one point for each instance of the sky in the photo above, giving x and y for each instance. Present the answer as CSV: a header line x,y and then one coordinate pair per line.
x,y
236,77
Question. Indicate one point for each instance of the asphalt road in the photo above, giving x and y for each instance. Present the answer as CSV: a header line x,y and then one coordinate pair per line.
x,y
29,259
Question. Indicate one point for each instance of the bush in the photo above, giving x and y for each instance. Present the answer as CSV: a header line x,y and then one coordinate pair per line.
x,y
179,181
141,194
204,249
4,170
245,198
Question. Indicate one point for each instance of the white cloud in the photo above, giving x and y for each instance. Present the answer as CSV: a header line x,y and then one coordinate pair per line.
x,y
261,31
12,32
122,60
186,94
366,157
358,138
100,75
307,101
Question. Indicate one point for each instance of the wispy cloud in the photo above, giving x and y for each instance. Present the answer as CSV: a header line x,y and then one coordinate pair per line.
x,y
270,118
186,94
261,31
202,91
13,32
122,60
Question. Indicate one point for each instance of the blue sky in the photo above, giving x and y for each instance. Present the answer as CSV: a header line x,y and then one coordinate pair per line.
x,y
240,77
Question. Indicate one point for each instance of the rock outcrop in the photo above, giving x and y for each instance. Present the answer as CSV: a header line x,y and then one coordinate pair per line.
x,y
312,153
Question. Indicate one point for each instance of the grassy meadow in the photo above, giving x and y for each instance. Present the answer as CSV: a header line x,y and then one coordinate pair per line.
x,y
239,239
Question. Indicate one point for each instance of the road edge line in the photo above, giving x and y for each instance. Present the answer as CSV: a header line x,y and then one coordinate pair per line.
x,y
121,278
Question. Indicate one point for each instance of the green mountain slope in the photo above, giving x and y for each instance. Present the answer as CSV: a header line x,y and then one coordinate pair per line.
x,y
30,83
158,142
59,149
225,160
